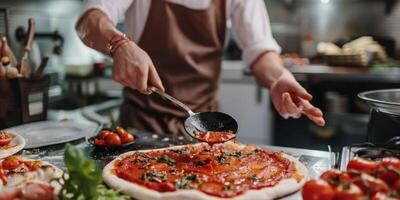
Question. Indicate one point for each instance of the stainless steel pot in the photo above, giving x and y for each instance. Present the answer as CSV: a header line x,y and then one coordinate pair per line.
x,y
384,121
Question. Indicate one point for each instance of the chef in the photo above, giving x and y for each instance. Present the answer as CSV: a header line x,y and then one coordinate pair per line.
x,y
177,46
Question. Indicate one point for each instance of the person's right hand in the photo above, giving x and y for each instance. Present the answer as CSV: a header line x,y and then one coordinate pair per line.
x,y
133,68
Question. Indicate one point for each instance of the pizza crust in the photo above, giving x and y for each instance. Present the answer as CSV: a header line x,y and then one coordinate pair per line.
x,y
283,188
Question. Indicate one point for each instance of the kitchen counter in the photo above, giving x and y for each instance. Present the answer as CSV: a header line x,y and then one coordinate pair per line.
x,y
236,72
350,74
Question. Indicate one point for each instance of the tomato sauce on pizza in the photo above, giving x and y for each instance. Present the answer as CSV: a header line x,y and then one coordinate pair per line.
x,y
223,171
214,137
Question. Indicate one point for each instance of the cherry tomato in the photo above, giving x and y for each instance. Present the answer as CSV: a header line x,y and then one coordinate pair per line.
x,y
99,142
103,134
383,196
348,192
11,163
113,139
317,190
334,177
396,185
120,131
370,184
389,170
126,138
391,161
363,165
389,176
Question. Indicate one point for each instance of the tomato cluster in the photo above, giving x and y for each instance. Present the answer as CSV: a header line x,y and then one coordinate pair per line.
x,y
113,138
364,179
5,138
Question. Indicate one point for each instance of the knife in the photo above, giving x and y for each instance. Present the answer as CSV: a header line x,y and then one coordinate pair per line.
x,y
25,66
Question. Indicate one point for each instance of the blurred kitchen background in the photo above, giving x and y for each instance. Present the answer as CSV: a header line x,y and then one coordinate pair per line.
x,y
314,36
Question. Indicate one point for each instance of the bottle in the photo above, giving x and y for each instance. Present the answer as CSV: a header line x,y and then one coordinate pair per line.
x,y
11,71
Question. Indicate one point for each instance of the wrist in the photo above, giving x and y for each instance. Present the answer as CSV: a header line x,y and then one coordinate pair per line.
x,y
116,42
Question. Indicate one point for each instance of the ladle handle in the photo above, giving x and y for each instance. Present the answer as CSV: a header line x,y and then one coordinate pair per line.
x,y
172,99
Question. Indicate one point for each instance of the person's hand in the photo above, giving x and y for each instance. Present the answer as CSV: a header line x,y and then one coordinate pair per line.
x,y
133,68
291,99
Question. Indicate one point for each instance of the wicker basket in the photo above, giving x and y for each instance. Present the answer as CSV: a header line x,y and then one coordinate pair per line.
x,y
355,60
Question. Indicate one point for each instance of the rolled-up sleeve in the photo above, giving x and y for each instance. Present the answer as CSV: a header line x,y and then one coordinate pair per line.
x,y
114,9
252,29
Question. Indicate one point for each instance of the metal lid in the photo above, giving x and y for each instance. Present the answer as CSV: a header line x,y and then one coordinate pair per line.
x,y
387,100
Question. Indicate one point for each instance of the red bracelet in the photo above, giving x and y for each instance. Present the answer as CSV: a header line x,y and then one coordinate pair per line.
x,y
116,41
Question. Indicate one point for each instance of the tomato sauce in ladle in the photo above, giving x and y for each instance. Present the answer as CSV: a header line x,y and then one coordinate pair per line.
x,y
210,127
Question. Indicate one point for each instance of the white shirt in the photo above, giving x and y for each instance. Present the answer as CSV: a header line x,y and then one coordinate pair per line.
x,y
250,21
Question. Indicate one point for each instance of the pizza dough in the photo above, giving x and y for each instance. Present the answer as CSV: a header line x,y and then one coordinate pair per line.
x,y
283,188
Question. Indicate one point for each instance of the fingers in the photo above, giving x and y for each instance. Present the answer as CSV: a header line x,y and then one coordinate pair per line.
x,y
154,79
142,78
313,113
289,106
289,109
301,92
310,109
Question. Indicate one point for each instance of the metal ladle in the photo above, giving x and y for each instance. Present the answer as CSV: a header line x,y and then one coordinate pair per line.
x,y
202,121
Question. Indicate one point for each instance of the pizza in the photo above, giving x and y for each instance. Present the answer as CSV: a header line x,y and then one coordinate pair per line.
x,y
202,171
23,178
10,144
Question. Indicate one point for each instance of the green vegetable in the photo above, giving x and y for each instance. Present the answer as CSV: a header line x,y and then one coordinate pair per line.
x,y
221,159
237,154
201,162
166,159
180,151
83,181
388,63
173,171
155,176
183,182
252,177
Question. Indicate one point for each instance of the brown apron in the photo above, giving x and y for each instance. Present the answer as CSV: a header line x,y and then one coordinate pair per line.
x,y
186,47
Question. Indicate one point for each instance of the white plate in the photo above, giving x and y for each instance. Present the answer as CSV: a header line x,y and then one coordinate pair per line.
x,y
39,134
17,144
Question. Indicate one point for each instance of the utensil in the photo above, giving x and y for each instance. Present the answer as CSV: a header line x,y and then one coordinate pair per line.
x,y
39,70
203,121
25,66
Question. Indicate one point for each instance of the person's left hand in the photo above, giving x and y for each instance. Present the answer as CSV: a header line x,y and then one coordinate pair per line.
x,y
291,99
